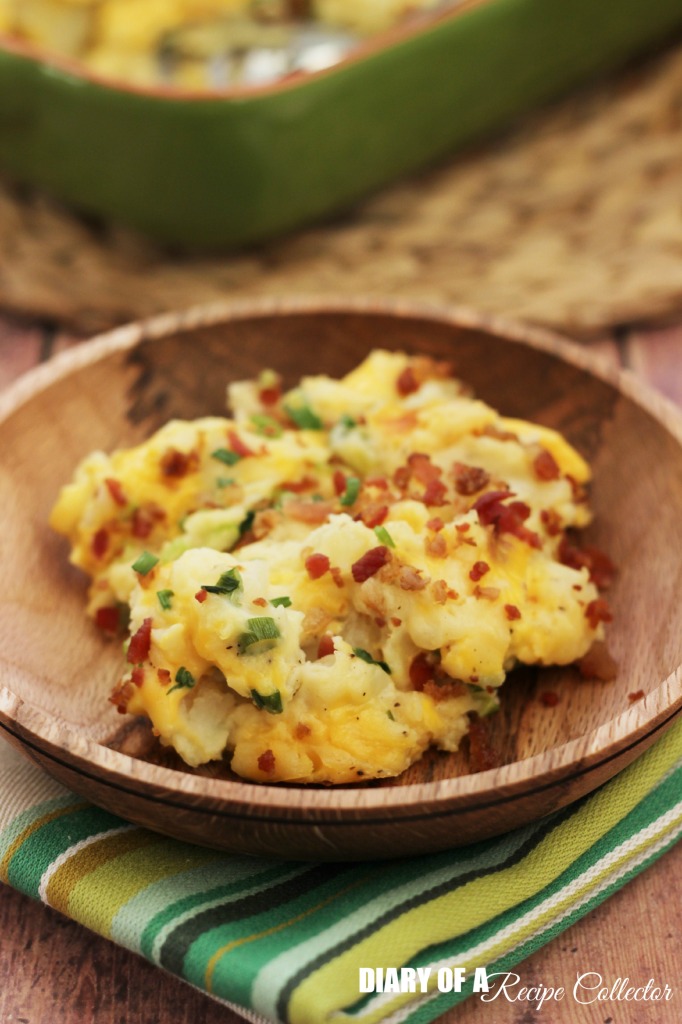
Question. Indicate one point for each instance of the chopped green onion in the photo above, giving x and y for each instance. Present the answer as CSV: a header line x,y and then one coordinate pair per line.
x,y
246,523
224,481
347,421
184,680
144,563
304,417
267,425
391,715
349,496
281,602
271,702
261,631
165,599
384,536
364,655
227,584
226,455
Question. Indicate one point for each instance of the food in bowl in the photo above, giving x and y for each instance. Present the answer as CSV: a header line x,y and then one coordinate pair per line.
x,y
201,43
340,575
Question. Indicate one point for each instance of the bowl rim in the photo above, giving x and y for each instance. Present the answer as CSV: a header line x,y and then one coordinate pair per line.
x,y
415,25
641,722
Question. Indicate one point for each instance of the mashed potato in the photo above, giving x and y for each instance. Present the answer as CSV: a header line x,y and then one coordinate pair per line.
x,y
335,579
174,40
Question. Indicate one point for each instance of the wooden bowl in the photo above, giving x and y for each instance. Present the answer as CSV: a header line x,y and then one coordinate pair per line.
x,y
57,670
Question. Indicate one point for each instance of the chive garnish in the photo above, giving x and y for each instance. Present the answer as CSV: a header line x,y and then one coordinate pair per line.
x,y
224,481
281,602
246,523
226,455
261,631
304,417
228,582
144,563
349,496
384,536
364,655
165,599
184,680
271,702
267,426
347,421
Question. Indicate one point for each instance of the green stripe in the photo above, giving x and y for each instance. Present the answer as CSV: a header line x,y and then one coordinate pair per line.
x,y
28,817
192,904
42,847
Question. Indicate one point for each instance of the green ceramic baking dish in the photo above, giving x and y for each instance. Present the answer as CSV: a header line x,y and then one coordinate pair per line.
x,y
226,168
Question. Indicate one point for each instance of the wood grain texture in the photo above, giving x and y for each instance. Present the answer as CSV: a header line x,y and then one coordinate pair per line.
x,y
572,220
43,957
178,366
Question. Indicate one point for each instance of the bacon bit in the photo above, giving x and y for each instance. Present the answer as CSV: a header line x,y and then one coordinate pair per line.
x,y
549,698
370,563
420,671
317,565
441,591
325,646
436,524
309,511
306,483
598,663
264,522
637,695
140,642
260,601
402,424
301,731
116,491
598,611
107,619
395,621
478,570
601,568
407,382
512,612
145,518
174,463
238,446
120,695
266,762
340,482
435,493
488,593
546,466
482,755
443,689
436,546
551,520
379,482
380,621
410,578
505,518
463,527
201,595
469,479
137,675
422,468
497,433
164,675
337,575
100,543
373,514
579,492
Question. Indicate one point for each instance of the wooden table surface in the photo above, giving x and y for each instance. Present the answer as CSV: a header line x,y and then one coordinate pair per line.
x,y
53,971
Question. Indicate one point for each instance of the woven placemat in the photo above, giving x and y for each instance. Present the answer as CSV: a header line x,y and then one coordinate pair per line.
x,y
573,219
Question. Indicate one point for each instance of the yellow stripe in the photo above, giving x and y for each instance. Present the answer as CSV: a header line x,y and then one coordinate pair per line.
x,y
60,812
229,946
97,897
86,861
530,928
335,984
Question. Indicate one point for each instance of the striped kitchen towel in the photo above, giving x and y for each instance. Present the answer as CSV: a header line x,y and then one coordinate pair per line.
x,y
282,941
